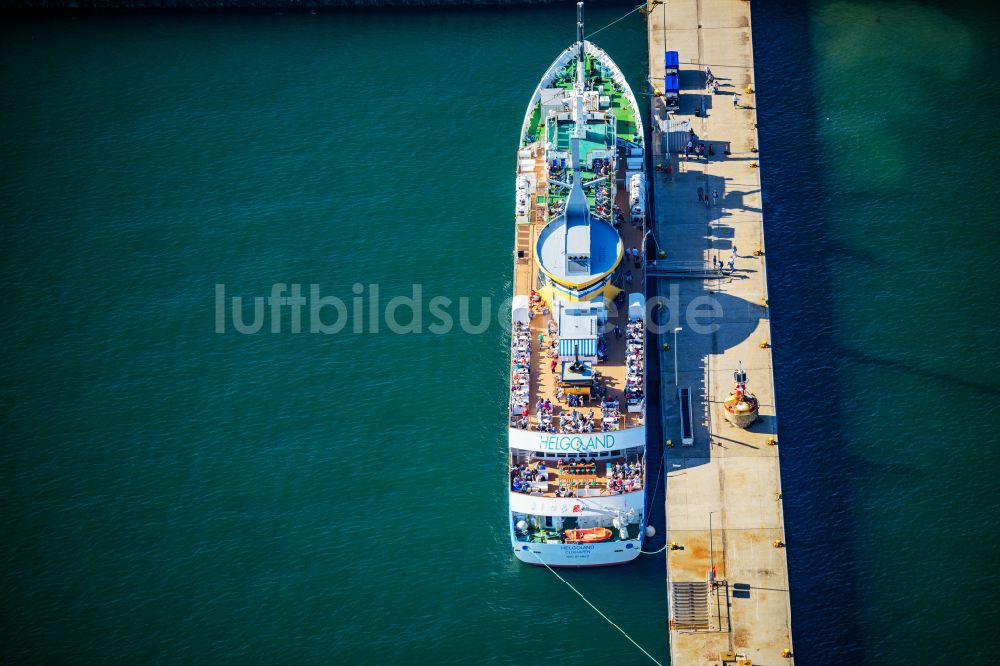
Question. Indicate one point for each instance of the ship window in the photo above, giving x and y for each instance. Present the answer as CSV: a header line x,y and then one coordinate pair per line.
x,y
548,521
616,453
604,454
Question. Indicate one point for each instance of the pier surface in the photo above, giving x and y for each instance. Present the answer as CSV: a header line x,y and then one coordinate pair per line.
x,y
729,477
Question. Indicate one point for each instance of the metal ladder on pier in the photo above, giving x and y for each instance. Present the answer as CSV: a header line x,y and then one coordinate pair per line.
x,y
689,606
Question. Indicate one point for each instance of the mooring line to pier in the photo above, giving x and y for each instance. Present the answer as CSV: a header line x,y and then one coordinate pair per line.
x,y
596,609
656,487
621,18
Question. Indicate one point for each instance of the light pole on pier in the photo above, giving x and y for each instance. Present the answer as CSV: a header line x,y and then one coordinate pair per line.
x,y
676,331
711,551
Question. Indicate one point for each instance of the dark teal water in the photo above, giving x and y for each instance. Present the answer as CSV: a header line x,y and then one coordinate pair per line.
x,y
878,168
175,494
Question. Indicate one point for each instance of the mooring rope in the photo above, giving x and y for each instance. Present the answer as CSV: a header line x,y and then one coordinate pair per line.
x,y
656,488
596,609
642,6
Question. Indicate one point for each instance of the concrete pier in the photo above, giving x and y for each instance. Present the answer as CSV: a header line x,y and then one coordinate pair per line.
x,y
728,477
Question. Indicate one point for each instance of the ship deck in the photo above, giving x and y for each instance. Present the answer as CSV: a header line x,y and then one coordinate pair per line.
x,y
596,477
543,382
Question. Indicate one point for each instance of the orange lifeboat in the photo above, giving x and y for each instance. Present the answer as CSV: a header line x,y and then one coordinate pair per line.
x,y
590,535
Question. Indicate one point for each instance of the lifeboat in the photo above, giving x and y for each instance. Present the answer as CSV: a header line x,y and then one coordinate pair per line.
x,y
590,535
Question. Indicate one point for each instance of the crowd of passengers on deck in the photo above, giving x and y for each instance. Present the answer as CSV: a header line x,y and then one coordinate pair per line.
x,y
573,422
520,388
620,478
625,478
634,337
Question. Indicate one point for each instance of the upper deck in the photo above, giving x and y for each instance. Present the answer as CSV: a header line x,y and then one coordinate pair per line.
x,y
582,140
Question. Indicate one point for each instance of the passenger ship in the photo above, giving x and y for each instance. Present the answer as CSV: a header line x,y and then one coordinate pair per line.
x,y
577,435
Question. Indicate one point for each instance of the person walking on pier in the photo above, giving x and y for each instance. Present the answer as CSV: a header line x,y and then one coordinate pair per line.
x,y
736,101
715,197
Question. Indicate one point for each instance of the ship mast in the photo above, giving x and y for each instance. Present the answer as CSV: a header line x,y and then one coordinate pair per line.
x,y
579,131
579,44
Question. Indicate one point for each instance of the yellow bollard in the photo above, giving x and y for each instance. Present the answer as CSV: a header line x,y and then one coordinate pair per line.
x,y
778,543
771,441
764,344
786,653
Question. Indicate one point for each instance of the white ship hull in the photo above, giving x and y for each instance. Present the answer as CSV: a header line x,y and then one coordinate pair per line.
x,y
577,555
